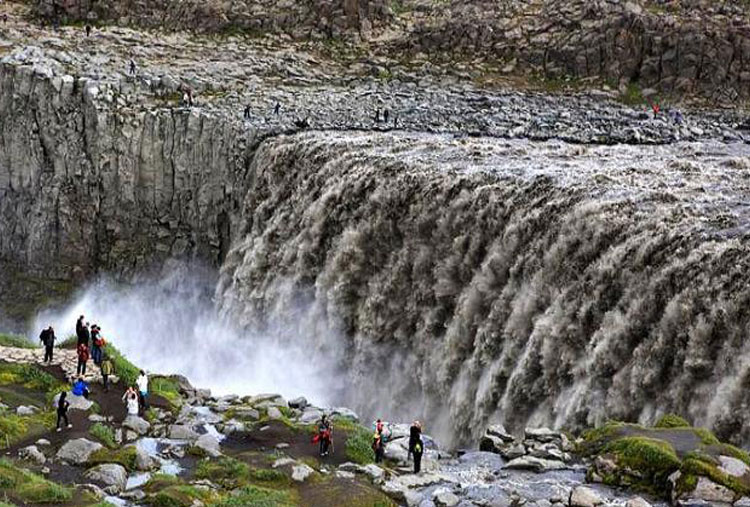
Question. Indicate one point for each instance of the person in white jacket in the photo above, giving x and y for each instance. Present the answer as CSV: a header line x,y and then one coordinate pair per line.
x,y
142,382
131,399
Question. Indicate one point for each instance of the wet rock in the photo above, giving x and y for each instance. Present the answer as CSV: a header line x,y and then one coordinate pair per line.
x,y
32,453
585,497
210,444
544,435
143,460
182,432
42,442
374,472
112,476
513,451
498,430
78,451
245,412
299,403
443,497
535,464
637,502
136,424
733,466
282,462
301,472
709,491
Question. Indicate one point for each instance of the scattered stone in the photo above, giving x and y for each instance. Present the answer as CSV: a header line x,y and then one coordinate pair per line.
x,y
637,502
709,491
733,466
535,464
282,445
42,442
443,497
301,472
26,410
32,453
373,471
282,462
246,413
182,432
274,413
143,461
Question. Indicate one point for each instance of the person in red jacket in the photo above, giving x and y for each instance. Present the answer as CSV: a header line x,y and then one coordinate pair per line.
x,y
83,357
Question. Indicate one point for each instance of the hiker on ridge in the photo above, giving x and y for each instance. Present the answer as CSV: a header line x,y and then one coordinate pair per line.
x,y
106,369
96,344
47,337
324,435
131,400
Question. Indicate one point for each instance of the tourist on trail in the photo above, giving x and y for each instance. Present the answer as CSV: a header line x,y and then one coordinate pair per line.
x,y
81,388
106,369
142,382
379,426
377,115
377,445
80,324
62,411
190,96
185,100
132,67
88,30
83,357
385,116
276,109
47,337
5,18
324,435
246,114
131,400
395,121
417,452
415,434
97,342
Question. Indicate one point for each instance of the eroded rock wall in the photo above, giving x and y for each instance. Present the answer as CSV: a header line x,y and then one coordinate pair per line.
x,y
86,187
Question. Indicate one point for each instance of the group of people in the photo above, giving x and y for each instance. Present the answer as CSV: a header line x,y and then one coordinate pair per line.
x,y
324,438
91,344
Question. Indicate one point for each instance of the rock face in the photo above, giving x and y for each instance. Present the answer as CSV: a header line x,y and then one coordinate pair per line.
x,y
77,451
298,19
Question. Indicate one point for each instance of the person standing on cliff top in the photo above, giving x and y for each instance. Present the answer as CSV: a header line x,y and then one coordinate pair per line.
x,y
132,67
415,434
142,382
47,337
88,30
417,452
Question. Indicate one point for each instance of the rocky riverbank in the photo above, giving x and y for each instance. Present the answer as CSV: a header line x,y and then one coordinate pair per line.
x,y
192,449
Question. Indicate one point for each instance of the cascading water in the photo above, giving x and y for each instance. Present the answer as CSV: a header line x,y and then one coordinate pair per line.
x,y
482,280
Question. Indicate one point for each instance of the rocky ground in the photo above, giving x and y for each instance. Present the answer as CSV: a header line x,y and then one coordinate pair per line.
x,y
191,448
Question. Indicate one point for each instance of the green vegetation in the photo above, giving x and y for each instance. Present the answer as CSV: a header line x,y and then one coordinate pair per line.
x,y
14,427
29,487
180,496
646,457
124,369
27,375
124,456
157,482
672,421
259,497
9,340
104,434
633,95
228,472
359,446
167,388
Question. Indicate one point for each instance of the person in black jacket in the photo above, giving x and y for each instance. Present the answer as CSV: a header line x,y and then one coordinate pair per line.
x,y
415,433
417,453
62,411
47,337
80,325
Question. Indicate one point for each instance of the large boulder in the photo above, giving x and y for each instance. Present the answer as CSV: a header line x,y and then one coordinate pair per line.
x,y
637,502
76,402
444,497
299,403
535,464
137,424
733,466
210,444
143,461
585,497
112,476
709,491
78,451
182,432
244,412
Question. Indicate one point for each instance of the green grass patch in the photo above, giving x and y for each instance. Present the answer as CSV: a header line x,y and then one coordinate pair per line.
x,y
359,445
181,495
14,428
672,421
11,340
27,375
167,388
124,369
104,434
707,438
259,497
29,487
228,472
70,343
654,459
125,456
633,95
157,482
695,467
